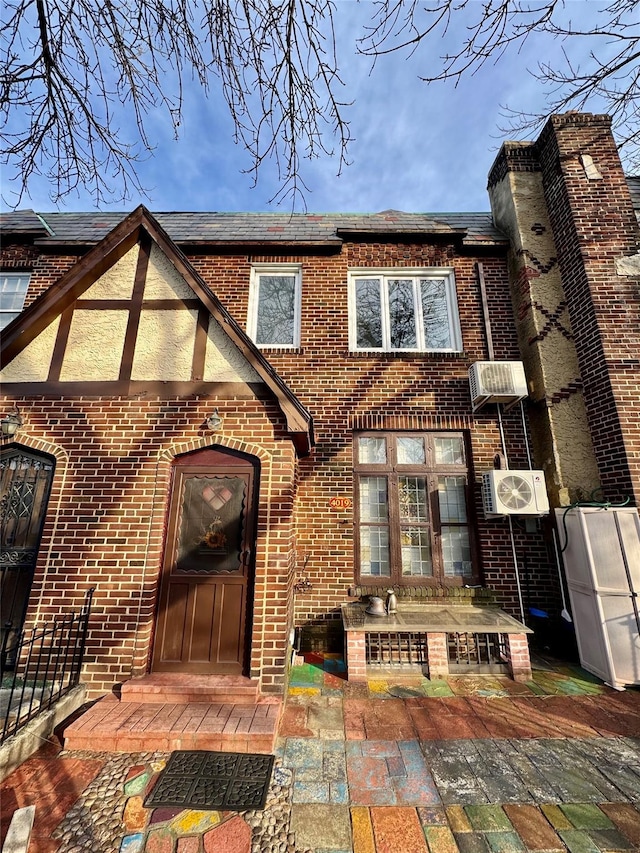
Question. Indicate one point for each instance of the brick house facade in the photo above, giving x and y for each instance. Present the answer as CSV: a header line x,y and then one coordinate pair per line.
x,y
238,358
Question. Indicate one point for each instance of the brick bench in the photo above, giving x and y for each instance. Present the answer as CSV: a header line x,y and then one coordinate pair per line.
x,y
419,637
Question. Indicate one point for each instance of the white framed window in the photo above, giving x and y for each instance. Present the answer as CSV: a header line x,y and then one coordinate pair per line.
x,y
274,305
403,310
13,290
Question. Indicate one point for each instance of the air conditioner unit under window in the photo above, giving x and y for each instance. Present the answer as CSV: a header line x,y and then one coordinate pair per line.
x,y
497,382
507,492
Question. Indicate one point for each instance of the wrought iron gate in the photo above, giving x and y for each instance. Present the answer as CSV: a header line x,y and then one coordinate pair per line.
x,y
25,483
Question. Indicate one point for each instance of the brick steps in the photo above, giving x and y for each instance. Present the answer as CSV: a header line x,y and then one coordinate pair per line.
x,y
123,726
182,689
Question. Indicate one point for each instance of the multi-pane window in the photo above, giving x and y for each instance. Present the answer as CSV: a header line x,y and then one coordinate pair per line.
x,y
274,305
413,525
13,290
403,310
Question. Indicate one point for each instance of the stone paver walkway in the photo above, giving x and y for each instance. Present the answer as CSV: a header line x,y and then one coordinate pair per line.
x,y
465,765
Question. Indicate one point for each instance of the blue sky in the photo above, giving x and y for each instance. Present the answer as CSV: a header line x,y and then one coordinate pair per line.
x,y
416,147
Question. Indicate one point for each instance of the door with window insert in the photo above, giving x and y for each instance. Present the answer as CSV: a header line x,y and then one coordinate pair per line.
x,y
24,492
206,584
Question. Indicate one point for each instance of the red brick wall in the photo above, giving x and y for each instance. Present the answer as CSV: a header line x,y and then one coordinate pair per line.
x,y
106,515
340,388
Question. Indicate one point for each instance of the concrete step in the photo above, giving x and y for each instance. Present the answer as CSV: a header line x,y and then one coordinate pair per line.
x,y
183,688
119,726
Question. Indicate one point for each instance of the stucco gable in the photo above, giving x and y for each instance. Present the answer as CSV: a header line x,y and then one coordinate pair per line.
x,y
133,310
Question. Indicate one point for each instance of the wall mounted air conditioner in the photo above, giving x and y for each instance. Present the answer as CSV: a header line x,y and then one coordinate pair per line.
x,y
497,382
507,492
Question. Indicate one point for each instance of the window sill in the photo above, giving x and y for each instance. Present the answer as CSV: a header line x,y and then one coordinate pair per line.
x,y
412,356
280,350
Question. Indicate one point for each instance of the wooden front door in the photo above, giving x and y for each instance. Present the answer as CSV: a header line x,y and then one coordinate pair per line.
x,y
206,584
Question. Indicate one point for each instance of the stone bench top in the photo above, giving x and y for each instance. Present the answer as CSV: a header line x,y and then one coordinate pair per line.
x,y
428,618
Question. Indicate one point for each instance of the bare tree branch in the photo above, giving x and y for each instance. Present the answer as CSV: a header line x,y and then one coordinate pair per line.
x,y
69,67
77,75
606,80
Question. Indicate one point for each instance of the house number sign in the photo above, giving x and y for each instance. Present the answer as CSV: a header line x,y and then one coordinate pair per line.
x,y
340,503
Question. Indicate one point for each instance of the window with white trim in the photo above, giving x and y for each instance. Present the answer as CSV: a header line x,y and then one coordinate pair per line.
x,y
412,509
403,310
13,291
274,305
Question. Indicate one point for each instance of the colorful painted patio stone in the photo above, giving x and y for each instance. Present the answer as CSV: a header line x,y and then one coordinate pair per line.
x,y
164,814
135,816
556,816
504,842
489,818
578,841
134,771
339,793
611,839
310,792
132,843
440,839
320,826
378,688
436,688
137,784
362,830
304,691
160,840
373,771
626,818
282,776
306,674
232,836
432,816
586,816
458,820
188,844
397,829
191,822
332,682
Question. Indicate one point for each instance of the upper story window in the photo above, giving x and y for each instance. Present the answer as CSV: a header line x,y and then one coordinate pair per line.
x,y
403,310
12,295
274,305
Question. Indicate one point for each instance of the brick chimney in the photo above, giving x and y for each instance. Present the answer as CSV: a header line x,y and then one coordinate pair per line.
x,y
575,273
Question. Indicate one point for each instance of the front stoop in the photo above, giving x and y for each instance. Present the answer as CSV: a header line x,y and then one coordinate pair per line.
x,y
169,712
182,688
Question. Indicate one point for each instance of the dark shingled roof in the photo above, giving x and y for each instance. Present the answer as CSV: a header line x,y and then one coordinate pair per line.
x,y
22,222
308,229
633,182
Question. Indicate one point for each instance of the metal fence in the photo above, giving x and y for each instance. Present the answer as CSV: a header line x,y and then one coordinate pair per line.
x,y
40,665
467,652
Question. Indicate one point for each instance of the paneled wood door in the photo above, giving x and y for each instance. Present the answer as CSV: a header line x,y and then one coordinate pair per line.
x,y
206,585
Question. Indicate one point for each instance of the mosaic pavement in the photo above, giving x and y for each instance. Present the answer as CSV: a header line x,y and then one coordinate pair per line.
x,y
463,765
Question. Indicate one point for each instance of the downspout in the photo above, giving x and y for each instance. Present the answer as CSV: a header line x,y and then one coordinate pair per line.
x,y
487,329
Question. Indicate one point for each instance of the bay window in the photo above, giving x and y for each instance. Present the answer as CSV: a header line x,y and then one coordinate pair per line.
x,y
412,518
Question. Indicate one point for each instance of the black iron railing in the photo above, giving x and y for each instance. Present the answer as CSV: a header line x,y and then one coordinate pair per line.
x,y
467,652
386,649
40,665
477,652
